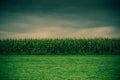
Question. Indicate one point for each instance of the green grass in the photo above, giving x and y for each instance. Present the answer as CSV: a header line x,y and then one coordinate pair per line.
x,y
59,67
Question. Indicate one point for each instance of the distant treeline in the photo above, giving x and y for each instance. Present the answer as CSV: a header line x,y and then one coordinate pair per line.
x,y
60,46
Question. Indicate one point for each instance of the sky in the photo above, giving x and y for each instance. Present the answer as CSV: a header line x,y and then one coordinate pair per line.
x,y
59,19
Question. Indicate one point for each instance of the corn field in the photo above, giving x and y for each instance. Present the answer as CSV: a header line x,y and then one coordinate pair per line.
x,y
60,46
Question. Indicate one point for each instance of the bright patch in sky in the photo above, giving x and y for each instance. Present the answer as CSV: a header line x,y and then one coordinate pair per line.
x,y
59,32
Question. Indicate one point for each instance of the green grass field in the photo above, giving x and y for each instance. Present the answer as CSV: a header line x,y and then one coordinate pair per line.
x,y
59,67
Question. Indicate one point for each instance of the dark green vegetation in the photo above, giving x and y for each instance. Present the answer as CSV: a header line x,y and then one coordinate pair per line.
x,y
60,46
51,67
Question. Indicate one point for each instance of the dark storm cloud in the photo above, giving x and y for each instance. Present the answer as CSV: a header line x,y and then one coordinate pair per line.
x,y
52,5
64,13
61,6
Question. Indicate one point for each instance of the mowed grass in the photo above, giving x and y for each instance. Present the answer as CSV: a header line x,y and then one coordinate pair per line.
x,y
59,67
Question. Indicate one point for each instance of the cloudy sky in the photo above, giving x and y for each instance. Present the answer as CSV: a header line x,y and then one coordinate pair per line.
x,y
59,19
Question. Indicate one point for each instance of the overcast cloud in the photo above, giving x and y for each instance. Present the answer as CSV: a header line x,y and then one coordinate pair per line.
x,y
63,18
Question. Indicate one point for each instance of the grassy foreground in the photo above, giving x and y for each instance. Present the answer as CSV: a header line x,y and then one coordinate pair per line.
x,y
56,67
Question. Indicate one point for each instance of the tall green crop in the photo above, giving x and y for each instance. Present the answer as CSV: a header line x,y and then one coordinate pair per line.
x,y
60,46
